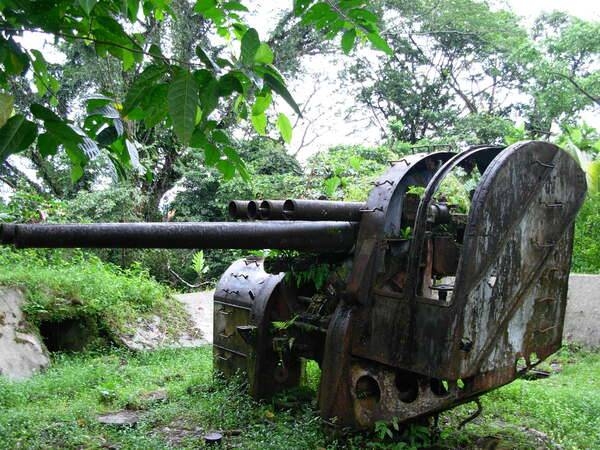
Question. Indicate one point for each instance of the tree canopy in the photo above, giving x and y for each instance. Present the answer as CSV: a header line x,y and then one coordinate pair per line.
x,y
214,71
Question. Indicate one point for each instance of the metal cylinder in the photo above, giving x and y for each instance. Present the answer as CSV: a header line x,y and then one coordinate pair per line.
x,y
322,210
319,237
271,210
243,209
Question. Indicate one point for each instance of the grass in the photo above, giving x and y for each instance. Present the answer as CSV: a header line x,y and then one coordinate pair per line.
x,y
70,284
561,410
58,409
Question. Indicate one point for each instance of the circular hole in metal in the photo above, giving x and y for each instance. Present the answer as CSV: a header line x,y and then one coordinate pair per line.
x,y
367,389
288,207
233,209
439,387
252,209
264,209
407,385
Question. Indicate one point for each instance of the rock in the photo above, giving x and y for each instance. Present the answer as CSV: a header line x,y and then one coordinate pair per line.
x,y
149,334
123,418
22,352
155,396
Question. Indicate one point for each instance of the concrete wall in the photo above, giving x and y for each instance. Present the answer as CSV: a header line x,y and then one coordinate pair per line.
x,y
22,353
582,320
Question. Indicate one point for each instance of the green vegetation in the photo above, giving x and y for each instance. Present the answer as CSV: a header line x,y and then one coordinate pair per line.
x,y
58,408
173,84
61,285
586,246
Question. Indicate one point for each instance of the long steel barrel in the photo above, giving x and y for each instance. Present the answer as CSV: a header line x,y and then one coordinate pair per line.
x,y
322,210
320,237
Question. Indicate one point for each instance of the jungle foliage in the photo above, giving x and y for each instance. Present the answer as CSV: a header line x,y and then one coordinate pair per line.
x,y
179,80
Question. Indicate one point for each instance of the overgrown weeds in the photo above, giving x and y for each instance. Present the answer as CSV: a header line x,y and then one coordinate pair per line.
x,y
62,285
58,409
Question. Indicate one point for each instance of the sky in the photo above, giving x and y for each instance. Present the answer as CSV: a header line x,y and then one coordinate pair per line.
x,y
331,101
326,122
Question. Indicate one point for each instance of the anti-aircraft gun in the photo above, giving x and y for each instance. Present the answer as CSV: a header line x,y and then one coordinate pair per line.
x,y
409,305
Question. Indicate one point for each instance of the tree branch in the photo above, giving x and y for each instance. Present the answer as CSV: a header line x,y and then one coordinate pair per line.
x,y
577,86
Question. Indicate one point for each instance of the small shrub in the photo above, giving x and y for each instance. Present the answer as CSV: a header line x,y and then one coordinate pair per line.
x,y
63,285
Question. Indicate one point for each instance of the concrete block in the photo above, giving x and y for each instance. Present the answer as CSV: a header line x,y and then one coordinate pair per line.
x,y
582,318
22,352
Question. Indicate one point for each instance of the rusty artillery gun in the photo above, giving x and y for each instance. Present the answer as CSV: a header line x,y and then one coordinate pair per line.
x,y
420,308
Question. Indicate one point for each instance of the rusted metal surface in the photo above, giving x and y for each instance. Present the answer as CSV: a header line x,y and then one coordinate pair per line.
x,y
307,236
422,305
322,210
271,210
242,209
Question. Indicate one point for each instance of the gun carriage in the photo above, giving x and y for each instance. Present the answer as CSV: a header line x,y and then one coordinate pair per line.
x,y
420,308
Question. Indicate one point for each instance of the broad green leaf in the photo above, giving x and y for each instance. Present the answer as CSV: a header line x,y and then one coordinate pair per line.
x,y
140,88
226,167
250,45
209,98
259,122
16,61
239,29
47,144
320,14
211,154
264,54
43,113
76,172
229,83
87,5
6,107
234,6
157,109
349,4
261,104
278,86
220,137
132,10
206,60
234,157
285,127
202,77
40,69
182,102
379,43
240,107
202,6
593,176
64,132
16,135
348,40
362,15
199,139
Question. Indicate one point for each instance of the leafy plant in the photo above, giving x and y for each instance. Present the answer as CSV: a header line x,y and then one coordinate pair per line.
x,y
316,274
184,94
72,285
199,264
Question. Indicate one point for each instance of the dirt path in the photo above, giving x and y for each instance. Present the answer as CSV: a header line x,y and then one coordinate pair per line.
x,y
199,305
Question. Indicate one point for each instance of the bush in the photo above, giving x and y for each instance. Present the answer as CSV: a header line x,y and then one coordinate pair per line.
x,y
586,247
62,285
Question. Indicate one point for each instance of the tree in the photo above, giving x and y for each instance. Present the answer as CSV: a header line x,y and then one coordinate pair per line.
x,y
462,71
564,78
186,94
